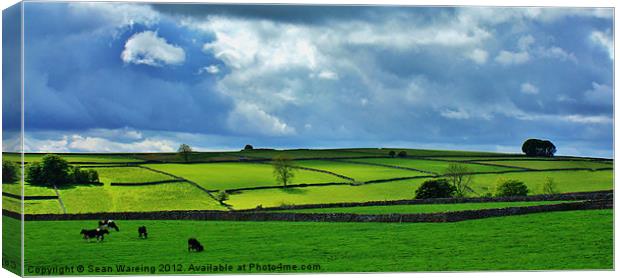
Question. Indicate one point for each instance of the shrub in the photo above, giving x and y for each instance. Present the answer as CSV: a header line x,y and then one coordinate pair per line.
x,y
34,173
222,196
392,153
10,172
93,176
402,154
549,187
508,188
439,188
84,176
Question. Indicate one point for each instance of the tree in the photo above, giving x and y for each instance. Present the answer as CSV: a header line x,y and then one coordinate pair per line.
x,y
458,176
283,170
402,154
248,147
549,187
508,188
537,147
34,173
392,153
54,170
185,150
439,188
10,172
222,196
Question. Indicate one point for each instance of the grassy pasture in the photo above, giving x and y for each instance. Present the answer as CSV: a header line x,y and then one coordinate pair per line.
x,y
425,208
222,176
357,171
425,153
29,190
160,197
101,158
429,165
128,174
305,153
556,164
194,156
550,241
32,206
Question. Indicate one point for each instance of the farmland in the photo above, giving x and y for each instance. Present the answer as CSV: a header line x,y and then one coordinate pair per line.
x,y
507,245
161,182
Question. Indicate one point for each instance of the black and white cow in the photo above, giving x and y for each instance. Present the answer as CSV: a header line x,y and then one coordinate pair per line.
x,y
193,244
108,224
94,233
142,232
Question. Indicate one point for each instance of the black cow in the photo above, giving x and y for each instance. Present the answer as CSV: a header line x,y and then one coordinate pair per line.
x,y
142,232
95,233
107,224
193,244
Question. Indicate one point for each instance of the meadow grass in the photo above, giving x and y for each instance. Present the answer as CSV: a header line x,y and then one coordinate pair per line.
x,y
566,181
357,171
32,206
159,197
128,174
11,244
542,241
305,153
556,164
194,156
29,190
421,208
222,176
425,153
435,166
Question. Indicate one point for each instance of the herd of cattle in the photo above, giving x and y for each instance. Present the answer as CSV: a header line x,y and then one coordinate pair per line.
x,y
104,227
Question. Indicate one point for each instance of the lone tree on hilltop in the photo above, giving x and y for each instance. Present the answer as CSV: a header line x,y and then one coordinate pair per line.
x,y
537,147
185,150
459,177
248,147
283,170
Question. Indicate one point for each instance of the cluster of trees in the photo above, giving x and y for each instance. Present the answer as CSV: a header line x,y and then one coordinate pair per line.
x,y
10,172
54,170
399,154
537,147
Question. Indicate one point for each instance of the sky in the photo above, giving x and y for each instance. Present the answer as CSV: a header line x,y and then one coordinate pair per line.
x,y
123,77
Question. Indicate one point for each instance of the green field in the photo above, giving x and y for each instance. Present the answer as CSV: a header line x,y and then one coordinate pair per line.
x,y
423,208
434,166
558,164
29,190
424,153
305,153
32,206
128,174
160,197
549,241
223,176
357,171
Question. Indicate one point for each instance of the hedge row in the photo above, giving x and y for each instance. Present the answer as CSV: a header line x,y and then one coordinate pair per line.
x,y
594,195
318,217
18,197
145,183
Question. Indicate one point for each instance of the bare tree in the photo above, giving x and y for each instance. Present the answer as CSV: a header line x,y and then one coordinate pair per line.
x,y
458,176
283,170
185,150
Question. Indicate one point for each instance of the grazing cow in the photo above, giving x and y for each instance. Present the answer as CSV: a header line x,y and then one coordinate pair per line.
x,y
142,232
193,244
108,224
95,233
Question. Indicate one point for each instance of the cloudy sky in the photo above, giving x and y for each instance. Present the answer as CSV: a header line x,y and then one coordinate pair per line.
x,y
134,77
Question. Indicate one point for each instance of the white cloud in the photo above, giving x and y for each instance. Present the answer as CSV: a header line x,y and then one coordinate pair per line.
x,y
479,56
529,88
512,58
557,53
150,49
525,42
604,40
588,119
212,69
326,74
599,94
458,114
248,117
89,143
